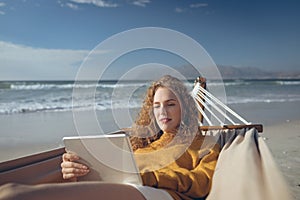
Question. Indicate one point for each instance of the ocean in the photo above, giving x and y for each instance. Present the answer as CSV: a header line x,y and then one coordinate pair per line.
x,y
56,96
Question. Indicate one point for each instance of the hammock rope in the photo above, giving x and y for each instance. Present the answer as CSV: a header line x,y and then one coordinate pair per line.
x,y
208,109
199,94
203,114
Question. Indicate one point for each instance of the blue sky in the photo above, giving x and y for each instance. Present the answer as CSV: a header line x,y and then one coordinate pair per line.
x,y
48,39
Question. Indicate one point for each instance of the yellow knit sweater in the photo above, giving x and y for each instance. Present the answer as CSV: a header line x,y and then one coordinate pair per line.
x,y
188,177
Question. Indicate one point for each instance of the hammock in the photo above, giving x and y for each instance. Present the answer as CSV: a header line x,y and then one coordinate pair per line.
x,y
245,167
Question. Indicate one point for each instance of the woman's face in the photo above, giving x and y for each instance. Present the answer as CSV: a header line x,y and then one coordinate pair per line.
x,y
166,109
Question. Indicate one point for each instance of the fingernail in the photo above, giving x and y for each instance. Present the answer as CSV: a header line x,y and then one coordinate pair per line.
x,y
84,167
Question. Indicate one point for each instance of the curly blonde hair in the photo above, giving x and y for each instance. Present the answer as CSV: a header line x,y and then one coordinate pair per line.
x,y
146,130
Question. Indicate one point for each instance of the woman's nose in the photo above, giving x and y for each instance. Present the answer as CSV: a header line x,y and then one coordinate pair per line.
x,y
163,110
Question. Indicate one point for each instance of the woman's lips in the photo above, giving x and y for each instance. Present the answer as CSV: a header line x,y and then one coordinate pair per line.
x,y
165,120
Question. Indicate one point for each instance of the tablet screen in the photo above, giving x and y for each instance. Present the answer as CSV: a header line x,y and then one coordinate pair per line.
x,y
109,157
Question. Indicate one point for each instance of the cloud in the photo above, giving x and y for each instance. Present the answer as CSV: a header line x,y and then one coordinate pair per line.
x,y
98,3
141,3
2,4
198,5
179,10
72,6
19,62
190,7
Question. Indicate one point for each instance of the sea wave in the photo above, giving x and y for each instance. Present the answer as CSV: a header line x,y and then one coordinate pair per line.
x,y
288,82
228,83
31,107
261,100
71,85
41,86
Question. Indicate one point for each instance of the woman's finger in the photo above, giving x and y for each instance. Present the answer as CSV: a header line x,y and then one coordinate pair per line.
x,y
69,173
70,177
67,164
75,171
72,173
70,157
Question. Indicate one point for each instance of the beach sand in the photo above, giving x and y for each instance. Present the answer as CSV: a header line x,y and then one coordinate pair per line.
x,y
283,140
28,133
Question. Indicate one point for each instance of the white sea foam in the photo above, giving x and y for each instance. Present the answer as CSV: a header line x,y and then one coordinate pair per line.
x,y
46,86
288,82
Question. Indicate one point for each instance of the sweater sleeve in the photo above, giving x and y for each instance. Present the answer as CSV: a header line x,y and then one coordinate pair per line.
x,y
190,175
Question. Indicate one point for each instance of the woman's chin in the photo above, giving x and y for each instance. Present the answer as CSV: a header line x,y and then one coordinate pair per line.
x,y
169,130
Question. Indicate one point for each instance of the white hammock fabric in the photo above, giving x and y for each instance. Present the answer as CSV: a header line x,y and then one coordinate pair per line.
x,y
246,169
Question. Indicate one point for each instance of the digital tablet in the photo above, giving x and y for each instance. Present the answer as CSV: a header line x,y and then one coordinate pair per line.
x,y
109,157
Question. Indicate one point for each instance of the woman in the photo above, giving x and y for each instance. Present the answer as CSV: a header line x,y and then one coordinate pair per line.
x,y
167,144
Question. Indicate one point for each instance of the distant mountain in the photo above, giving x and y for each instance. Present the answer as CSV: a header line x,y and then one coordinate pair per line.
x,y
231,72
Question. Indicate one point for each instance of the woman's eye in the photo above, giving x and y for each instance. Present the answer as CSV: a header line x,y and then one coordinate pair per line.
x,y
156,106
171,104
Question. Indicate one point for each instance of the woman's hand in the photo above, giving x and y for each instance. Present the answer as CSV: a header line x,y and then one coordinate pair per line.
x,y
70,168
